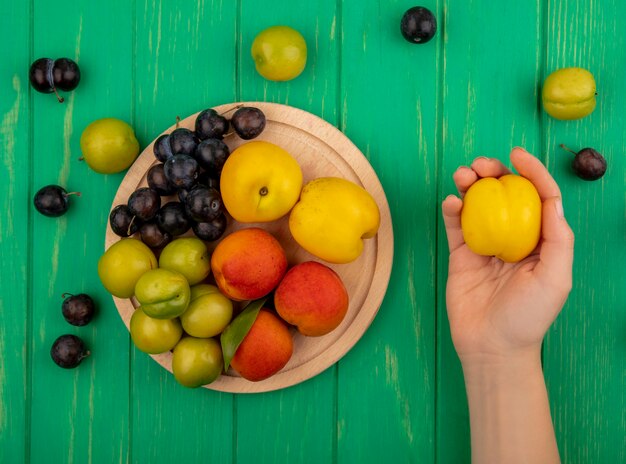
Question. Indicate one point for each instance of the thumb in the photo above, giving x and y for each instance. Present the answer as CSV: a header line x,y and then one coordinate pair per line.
x,y
557,248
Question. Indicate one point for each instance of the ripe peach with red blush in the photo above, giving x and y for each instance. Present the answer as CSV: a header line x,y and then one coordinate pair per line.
x,y
266,348
248,264
312,297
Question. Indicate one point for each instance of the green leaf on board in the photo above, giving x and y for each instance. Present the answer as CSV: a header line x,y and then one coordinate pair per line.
x,y
236,331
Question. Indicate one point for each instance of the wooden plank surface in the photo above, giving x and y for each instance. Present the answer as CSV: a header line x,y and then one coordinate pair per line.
x,y
389,107
490,104
584,353
75,412
295,424
417,112
176,76
15,254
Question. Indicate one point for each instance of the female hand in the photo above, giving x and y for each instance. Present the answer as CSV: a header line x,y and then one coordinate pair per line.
x,y
501,309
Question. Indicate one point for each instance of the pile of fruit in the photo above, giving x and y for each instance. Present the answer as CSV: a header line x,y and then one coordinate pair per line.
x,y
234,306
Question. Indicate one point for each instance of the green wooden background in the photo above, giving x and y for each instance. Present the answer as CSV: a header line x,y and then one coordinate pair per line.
x,y
417,112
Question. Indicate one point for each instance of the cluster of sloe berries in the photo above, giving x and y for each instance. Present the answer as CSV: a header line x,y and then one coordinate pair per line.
x,y
187,174
68,350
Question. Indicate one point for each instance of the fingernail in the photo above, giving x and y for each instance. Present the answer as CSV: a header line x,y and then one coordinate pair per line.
x,y
481,158
459,169
558,204
520,148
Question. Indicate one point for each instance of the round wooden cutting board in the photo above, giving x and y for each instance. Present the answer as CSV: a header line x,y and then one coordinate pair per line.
x,y
322,151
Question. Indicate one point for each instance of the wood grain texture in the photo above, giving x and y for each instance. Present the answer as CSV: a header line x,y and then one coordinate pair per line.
x,y
416,112
584,357
15,311
185,62
389,108
295,424
77,415
490,104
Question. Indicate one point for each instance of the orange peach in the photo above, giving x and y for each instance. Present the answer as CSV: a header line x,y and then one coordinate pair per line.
x,y
312,297
265,350
248,264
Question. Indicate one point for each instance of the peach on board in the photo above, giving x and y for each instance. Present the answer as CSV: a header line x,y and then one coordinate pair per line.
x,y
266,348
248,264
312,297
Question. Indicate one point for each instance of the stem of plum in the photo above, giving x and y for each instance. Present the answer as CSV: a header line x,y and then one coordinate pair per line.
x,y
59,97
236,107
78,194
567,149
64,295
177,121
130,226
